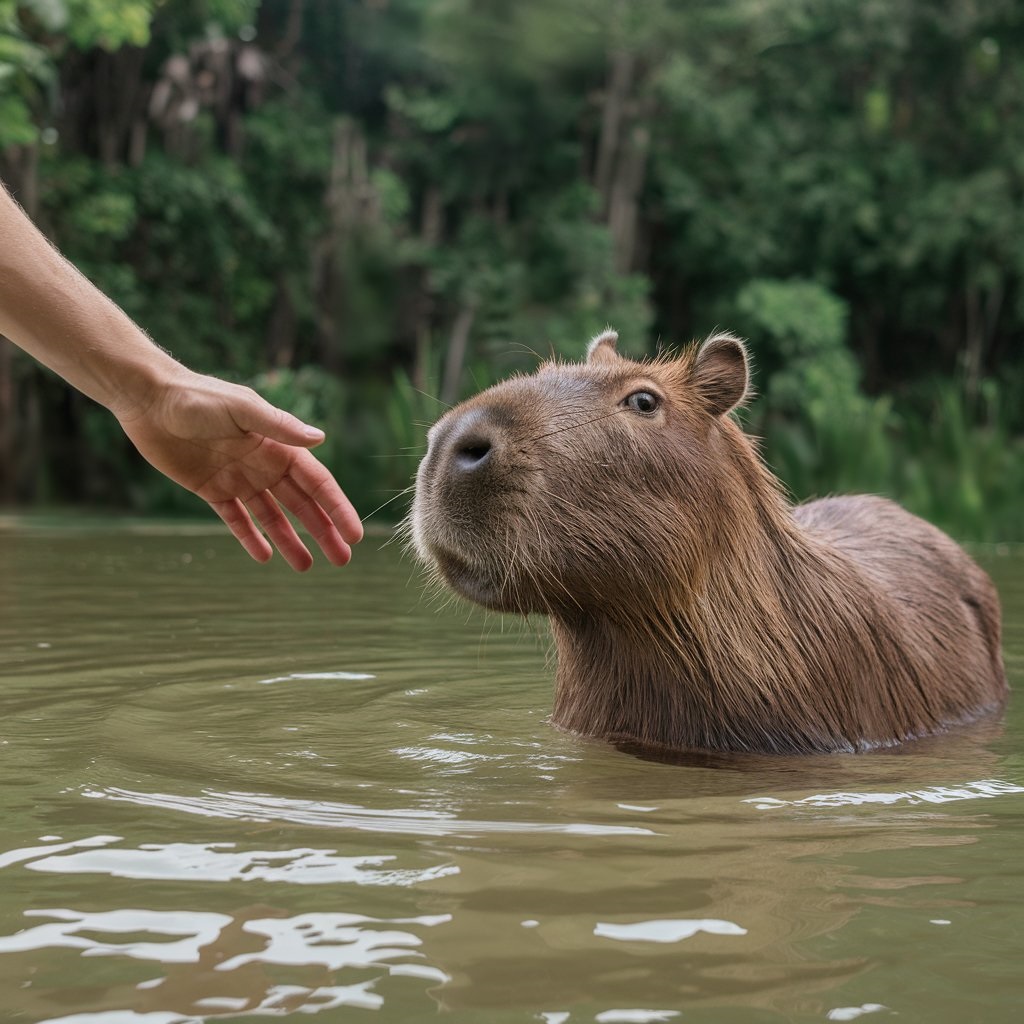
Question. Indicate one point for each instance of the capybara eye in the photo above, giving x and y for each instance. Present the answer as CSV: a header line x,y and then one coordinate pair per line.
x,y
643,402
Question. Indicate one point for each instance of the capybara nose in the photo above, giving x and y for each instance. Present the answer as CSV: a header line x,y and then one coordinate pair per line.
x,y
472,443
472,453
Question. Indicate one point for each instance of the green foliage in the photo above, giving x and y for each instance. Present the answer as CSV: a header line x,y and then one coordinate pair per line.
x,y
801,326
25,72
823,434
326,195
16,127
961,474
104,23
177,246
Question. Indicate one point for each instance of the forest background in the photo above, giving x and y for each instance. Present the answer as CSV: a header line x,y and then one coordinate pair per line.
x,y
369,208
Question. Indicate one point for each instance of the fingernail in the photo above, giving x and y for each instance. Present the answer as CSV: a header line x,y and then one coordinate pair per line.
x,y
313,432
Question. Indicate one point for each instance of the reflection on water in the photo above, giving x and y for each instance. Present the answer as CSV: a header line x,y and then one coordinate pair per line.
x,y
231,792
666,931
315,675
853,1012
220,862
242,947
334,941
985,789
260,807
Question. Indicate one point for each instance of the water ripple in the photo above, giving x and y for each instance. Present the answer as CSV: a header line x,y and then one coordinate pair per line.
x,y
222,862
278,1001
264,808
636,1016
985,789
303,676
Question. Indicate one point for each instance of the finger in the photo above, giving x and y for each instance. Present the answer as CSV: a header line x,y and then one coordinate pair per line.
x,y
314,519
234,513
315,481
281,532
258,416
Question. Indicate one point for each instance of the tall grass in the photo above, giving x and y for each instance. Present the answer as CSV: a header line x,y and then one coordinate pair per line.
x,y
965,473
960,469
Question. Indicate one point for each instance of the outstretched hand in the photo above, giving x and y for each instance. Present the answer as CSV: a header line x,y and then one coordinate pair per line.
x,y
246,458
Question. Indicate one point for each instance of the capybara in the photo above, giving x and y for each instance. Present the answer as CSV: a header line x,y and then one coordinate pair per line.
x,y
692,607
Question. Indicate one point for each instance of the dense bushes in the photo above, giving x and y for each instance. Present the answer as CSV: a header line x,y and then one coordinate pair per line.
x,y
367,209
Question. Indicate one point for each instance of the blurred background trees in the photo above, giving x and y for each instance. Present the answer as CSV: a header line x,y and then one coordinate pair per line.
x,y
368,208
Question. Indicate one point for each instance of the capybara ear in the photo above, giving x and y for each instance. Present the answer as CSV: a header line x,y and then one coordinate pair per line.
x,y
602,348
720,373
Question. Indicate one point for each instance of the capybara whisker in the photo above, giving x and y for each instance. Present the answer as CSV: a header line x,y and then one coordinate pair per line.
x,y
692,607
565,501
573,426
394,497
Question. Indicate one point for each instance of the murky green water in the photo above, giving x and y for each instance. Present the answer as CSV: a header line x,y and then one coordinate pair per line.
x,y
230,793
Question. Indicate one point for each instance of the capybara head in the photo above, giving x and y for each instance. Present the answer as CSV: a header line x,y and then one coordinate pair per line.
x,y
584,487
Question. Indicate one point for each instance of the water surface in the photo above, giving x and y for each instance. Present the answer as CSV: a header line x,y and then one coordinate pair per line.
x,y
231,793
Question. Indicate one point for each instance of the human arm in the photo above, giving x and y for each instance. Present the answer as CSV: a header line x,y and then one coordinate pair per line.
x,y
245,457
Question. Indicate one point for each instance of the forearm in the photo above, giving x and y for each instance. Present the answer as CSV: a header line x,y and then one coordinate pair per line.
x,y
52,312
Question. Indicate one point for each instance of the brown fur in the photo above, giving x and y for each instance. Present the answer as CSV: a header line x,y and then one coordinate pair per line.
x,y
692,607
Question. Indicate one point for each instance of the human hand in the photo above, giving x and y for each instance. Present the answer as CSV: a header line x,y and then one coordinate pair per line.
x,y
246,458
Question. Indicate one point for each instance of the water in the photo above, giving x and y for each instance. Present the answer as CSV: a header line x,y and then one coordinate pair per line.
x,y
231,793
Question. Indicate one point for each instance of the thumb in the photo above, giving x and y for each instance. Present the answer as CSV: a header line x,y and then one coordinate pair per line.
x,y
258,416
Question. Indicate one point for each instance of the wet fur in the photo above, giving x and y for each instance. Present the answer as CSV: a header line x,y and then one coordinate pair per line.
x,y
691,606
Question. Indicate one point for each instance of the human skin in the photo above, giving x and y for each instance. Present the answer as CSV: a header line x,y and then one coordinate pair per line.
x,y
239,453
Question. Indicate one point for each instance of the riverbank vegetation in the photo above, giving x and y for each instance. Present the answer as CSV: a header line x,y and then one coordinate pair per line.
x,y
370,208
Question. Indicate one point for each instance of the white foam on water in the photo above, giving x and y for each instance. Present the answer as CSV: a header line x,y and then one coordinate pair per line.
x,y
667,930
984,789
334,941
123,1017
853,1012
302,676
635,1016
222,862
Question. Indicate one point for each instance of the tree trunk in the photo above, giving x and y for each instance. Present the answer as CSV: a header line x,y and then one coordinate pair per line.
x,y
121,98
293,29
981,314
431,230
6,422
624,200
456,359
421,356
613,111
282,327
30,443
329,270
